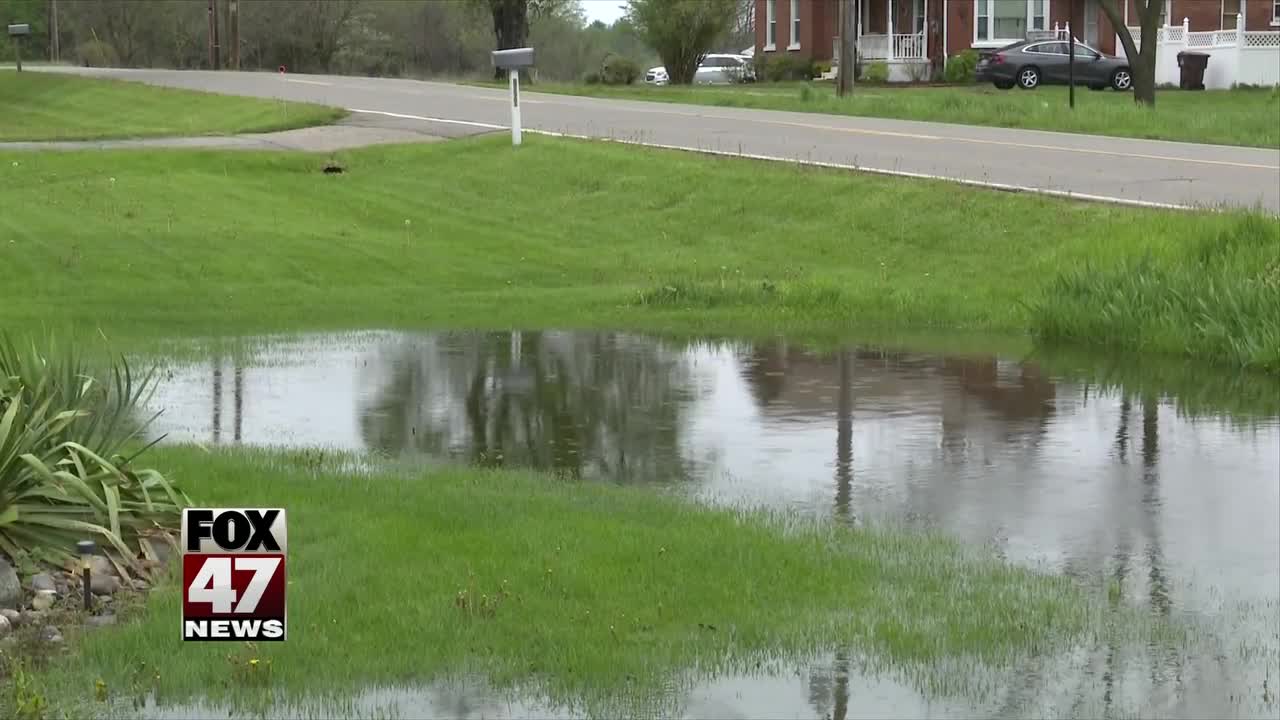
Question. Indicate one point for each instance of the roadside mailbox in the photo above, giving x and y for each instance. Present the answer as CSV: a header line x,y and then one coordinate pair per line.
x,y
513,61
18,32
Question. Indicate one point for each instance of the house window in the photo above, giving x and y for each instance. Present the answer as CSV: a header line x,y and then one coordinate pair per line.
x,y
770,24
1230,8
917,11
795,25
1006,21
1275,13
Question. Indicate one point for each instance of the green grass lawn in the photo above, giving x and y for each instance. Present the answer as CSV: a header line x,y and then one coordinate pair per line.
x,y
200,243
1236,117
584,590
48,106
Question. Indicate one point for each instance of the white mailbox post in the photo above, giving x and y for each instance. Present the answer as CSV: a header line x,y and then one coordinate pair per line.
x,y
513,61
18,32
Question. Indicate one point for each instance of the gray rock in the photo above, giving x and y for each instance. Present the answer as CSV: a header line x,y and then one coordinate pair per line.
x,y
51,635
32,617
10,586
13,616
141,585
103,584
5,626
43,581
101,620
43,600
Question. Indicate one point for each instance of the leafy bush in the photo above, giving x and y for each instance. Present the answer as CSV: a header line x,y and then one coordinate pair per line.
x,y
760,64
821,68
788,68
878,72
591,78
96,53
63,477
619,70
960,68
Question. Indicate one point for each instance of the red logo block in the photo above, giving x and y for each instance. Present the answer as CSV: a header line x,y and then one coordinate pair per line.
x,y
233,574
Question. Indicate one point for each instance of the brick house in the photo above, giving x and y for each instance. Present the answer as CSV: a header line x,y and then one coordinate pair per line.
x,y
916,36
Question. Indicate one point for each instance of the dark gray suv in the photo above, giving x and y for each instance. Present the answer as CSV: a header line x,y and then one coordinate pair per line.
x,y
1032,63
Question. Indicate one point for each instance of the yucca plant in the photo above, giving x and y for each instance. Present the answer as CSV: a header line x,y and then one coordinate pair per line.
x,y
64,476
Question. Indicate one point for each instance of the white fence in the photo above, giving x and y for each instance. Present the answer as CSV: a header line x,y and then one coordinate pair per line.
x,y
1236,57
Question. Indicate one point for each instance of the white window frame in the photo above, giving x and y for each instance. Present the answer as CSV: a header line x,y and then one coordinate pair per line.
x,y
1223,14
1275,13
770,24
795,25
984,10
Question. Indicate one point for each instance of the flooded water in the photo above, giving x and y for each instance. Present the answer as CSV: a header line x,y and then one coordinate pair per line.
x,y
1174,494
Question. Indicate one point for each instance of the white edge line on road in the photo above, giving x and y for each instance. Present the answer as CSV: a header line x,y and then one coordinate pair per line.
x,y
468,123
1006,187
308,82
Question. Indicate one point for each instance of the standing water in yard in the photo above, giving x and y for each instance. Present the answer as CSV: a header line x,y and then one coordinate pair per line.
x,y
1159,483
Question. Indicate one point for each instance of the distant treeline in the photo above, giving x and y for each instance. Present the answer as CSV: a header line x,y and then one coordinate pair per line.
x,y
355,37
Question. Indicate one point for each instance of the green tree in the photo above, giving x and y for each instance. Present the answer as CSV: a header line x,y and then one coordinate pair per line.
x,y
682,31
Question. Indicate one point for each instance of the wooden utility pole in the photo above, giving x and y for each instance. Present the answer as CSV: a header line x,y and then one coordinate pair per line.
x,y
233,29
214,49
54,46
848,45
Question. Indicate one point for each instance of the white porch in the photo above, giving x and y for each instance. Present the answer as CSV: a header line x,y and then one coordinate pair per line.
x,y
893,32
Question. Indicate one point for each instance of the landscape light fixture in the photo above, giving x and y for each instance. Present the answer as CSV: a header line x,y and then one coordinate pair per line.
x,y
85,549
18,32
513,61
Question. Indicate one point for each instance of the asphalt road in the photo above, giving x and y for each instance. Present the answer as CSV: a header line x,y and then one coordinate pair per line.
x,y
1101,168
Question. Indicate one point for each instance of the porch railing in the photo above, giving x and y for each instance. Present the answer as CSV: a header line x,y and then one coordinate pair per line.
x,y
899,46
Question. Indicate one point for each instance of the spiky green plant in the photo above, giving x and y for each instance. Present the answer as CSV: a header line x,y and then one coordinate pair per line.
x,y
64,474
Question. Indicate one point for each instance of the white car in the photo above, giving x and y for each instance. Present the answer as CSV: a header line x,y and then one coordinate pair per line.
x,y
714,70
656,76
724,70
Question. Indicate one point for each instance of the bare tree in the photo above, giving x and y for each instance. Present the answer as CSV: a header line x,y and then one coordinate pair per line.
x,y
1142,62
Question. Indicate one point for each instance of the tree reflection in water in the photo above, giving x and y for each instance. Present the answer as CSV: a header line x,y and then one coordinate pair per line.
x,y
587,405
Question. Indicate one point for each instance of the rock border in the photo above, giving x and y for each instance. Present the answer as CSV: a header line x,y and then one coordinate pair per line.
x,y
35,608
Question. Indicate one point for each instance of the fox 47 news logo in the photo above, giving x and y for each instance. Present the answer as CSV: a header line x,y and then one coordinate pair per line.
x,y
233,578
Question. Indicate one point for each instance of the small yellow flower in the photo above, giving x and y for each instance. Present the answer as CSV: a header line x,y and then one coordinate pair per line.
x,y
253,663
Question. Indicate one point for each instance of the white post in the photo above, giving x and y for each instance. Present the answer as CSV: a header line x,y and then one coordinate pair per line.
x,y
1238,70
514,74
862,11
889,19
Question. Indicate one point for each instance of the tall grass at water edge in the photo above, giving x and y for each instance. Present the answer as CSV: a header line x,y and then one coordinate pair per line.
x,y
1217,298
